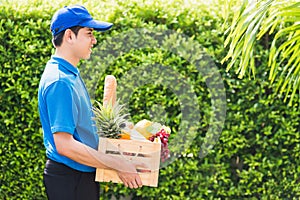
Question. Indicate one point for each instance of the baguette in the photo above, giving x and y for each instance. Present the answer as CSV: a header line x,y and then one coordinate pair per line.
x,y
110,90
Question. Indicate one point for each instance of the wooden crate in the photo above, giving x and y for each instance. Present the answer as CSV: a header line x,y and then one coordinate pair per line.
x,y
144,151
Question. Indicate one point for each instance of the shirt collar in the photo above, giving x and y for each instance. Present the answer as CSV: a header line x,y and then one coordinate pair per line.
x,y
65,64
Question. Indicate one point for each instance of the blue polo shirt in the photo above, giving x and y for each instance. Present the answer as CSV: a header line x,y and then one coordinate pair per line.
x,y
65,106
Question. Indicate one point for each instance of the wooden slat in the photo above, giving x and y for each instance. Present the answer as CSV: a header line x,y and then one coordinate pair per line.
x,y
149,153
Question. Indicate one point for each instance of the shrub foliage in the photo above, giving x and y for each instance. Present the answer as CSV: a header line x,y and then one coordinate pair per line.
x,y
256,155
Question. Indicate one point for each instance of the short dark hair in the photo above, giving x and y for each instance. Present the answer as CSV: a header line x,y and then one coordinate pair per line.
x,y
57,39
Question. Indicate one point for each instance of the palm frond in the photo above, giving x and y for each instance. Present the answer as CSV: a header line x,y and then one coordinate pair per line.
x,y
253,22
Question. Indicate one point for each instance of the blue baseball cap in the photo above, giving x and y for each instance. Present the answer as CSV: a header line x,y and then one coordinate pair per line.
x,y
76,15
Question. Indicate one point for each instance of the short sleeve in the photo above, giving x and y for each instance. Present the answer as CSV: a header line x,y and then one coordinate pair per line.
x,y
61,107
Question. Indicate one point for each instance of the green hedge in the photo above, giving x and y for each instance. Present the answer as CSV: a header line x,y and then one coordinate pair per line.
x,y
255,157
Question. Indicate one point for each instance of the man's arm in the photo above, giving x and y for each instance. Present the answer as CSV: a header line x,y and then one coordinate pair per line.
x,y
67,146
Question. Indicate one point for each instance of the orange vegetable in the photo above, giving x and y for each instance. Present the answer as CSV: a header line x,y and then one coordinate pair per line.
x,y
110,90
125,136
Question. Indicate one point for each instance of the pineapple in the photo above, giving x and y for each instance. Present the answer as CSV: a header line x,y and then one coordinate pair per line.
x,y
110,119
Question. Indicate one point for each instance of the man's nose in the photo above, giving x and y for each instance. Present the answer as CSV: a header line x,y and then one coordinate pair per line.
x,y
94,40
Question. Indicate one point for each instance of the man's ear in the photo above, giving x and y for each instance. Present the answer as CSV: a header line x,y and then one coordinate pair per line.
x,y
53,42
69,36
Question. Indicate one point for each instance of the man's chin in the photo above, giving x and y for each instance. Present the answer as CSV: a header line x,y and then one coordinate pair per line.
x,y
87,57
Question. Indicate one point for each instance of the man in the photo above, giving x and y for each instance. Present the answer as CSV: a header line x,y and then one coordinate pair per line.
x,y
70,135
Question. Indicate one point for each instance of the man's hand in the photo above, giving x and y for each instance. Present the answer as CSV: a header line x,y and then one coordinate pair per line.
x,y
129,176
131,180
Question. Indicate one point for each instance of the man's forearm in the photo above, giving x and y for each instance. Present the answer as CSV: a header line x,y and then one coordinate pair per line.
x,y
86,155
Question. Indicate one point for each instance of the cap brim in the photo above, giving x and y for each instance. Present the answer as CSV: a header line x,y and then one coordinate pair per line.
x,y
98,25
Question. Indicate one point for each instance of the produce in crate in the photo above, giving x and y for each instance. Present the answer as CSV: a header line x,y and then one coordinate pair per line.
x,y
110,117
110,120
112,123
163,134
110,90
130,131
141,127
153,130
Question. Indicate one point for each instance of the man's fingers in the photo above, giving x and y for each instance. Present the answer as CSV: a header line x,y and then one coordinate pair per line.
x,y
139,181
131,180
130,185
136,182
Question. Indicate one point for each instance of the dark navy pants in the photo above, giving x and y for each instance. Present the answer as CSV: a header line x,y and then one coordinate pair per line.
x,y
65,183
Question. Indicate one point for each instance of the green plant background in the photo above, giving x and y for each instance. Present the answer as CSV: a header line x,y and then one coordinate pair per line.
x,y
257,155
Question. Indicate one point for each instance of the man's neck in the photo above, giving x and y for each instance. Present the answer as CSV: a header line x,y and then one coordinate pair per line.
x,y
65,54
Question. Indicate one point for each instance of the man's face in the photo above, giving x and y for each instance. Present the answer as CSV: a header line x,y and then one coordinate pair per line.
x,y
84,42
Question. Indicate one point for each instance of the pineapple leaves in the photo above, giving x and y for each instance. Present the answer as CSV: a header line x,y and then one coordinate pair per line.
x,y
110,119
